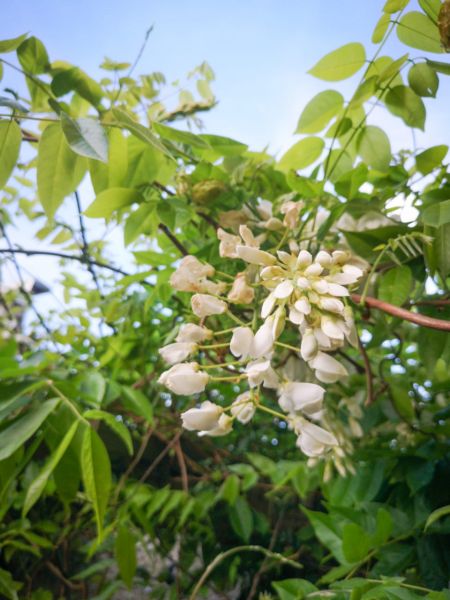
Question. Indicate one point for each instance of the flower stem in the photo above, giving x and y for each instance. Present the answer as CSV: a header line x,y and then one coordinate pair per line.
x,y
213,346
287,346
275,413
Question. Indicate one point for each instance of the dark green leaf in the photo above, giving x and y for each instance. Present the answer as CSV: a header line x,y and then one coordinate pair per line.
x,y
33,56
395,285
293,589
17,433
125,553
402,102
76,80
241,518
423,80
96,472
355,542
117,426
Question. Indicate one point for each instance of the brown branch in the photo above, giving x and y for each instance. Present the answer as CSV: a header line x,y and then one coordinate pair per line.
x,y
369,375
173,239
208,219
182,464
402,313
160,456
133,463
70,584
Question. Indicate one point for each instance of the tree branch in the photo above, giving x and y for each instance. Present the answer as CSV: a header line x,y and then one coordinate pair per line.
x,y
402,313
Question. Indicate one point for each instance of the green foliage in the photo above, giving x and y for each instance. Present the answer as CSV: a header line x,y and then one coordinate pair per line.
x,y
100,488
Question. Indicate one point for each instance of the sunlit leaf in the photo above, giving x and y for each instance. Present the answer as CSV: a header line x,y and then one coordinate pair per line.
x,y
86,137
319,111
423,80
404,103
10,140
374,147
341,63
416,30
302,154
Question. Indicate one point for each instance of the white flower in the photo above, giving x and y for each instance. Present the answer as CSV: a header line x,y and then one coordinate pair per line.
x,y
327,369
255,256
297,396
191,276
323,258
190,332
313,440
184,379
331,304
243,408
224,426
332,327
204,305
231,219
241,292
177,352
202,419
263,340
241,342
228,243
309,345
260,372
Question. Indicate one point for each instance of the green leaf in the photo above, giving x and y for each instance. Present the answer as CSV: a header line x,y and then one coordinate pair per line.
x,y
395,285
230,489
138,403
10,139
182,137
9,587
355,542
59,170
423,80
431,8
75,80
439,67
402,102
302,154
37,486
436,515
437,214
117,426
241,518
431,158
341,63
93,386
11,44
319,111
86,137
325,529
33,56
403,402
142,133
17,433
393,6
416,30
96,473
125,553
383,528
442,246
380,28
374,148
222,146
293,589
114,172
110,200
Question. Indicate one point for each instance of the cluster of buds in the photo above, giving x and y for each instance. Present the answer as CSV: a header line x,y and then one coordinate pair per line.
x,y
283,291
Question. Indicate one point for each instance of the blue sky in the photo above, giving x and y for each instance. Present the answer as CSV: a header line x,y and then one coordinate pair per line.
x,y
260,51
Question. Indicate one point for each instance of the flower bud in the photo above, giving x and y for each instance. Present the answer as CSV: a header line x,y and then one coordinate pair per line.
x,y
184,379
297,396
313,440
177,352
224,426
204,305
243,408
327,368
190,332
241,292
228,243
241,342
309,345
255,256
202,419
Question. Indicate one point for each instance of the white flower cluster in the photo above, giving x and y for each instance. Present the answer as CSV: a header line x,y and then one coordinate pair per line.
x,y
285,289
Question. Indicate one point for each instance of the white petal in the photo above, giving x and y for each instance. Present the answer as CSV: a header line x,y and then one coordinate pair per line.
x,y
337,290
241,342
323,258
331,304
303,306
296,317
320,286
303,283
304,258
331,328
204,418
320,434
309,346
190,332
309,445
313,270
255,256
283,290
267,306
263,340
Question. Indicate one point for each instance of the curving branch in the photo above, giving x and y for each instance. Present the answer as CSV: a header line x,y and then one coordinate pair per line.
x,y
402,313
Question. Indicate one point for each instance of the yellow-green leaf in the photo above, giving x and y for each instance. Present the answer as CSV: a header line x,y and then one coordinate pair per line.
x,y
423,80
11,44
33,56
111,200
380,28
374,148
341,63
10,138
431,158
86,137
59,170
319,111
416,30
302,154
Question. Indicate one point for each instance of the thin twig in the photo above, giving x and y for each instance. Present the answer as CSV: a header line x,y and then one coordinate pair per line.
x,y
402,313
182,464
173,239
369,375
137,457
160,456
85,246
